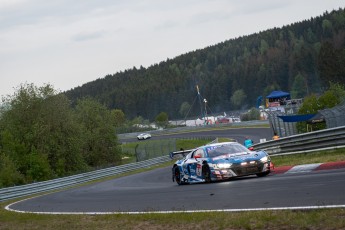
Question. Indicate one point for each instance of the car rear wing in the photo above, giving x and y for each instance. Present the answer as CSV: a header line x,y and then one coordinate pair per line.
x,y
181,152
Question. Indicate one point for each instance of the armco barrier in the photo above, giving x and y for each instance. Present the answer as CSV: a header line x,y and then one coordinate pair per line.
x,y
334,137
30,189
327,138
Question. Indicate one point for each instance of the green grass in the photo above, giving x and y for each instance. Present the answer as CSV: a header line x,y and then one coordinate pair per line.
x,y
313,219
307,219
309,158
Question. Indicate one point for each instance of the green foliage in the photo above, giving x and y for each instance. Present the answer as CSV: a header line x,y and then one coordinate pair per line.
x,y
162,119
338,90
9,175
118,116
263,47
331,64
252,114
300,58
184,109
100,143
298,89
42,137
39,167
312,104
238,98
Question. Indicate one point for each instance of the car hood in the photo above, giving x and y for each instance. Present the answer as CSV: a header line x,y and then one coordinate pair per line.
x,y
239,157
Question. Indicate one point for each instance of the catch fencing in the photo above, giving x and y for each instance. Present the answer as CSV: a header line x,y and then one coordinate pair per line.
x,y
335,116
323,139
329,138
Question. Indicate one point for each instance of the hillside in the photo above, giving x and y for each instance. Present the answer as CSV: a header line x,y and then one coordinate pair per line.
x,y
300,58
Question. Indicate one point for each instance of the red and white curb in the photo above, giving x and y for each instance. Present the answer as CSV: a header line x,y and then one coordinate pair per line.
x,y
308,167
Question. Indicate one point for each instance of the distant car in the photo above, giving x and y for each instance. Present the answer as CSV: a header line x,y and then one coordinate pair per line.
x,y
144,136
222,120
219,161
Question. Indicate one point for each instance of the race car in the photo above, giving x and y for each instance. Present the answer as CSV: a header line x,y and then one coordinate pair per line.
x,y
219,161
144,136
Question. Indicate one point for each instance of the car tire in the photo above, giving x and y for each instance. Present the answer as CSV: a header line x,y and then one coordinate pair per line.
x,y
177,175
262,174
206,172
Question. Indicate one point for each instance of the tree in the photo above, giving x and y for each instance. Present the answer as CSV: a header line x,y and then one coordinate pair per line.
x,y
184,109
38,134
310,106
298,89
118,117
255,63
9,175
263,46
238,98
331,64
100,148
252,114
162,120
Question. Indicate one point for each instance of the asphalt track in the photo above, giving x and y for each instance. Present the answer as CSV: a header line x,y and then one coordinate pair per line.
x,y
316,186
238,134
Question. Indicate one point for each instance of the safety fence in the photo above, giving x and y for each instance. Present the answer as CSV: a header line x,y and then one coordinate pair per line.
x,y
335,116
327,138
145,150
153,149
64,182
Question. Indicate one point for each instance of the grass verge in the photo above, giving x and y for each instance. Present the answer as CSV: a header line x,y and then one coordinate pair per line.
x,y
306,219
309,158
312,219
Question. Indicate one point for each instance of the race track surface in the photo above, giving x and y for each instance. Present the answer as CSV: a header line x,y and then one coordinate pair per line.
x,y
154,191
238,134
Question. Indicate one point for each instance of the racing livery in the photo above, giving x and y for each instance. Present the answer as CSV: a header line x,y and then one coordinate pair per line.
x,y
219,161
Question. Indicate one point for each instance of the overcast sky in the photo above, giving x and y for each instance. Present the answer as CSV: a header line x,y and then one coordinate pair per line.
x,y
71,42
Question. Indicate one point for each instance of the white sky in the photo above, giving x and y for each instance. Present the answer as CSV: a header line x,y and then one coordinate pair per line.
x,y
71,42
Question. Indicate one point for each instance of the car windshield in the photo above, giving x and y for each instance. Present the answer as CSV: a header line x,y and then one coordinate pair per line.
x,y
232,149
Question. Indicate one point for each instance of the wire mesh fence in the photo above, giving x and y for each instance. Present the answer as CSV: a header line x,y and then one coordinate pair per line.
x,y
145,150
334,117
283,129
149,150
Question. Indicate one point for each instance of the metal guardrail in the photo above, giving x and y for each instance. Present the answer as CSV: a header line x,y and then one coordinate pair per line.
x,y
315,140
64,182
327,138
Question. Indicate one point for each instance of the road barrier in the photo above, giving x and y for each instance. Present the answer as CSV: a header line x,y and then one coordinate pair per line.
x,y
64,182
329,138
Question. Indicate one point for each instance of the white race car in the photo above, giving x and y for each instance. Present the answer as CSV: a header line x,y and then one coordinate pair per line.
x,y
144,136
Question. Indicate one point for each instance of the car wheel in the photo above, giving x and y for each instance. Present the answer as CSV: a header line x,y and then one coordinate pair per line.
x,y
177,175
262,174
206,172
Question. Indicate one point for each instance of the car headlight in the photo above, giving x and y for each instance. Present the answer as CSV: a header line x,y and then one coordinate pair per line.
x,y
264,159
224,165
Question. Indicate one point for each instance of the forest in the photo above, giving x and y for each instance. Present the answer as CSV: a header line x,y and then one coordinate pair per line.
x,y
301,58
46,134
